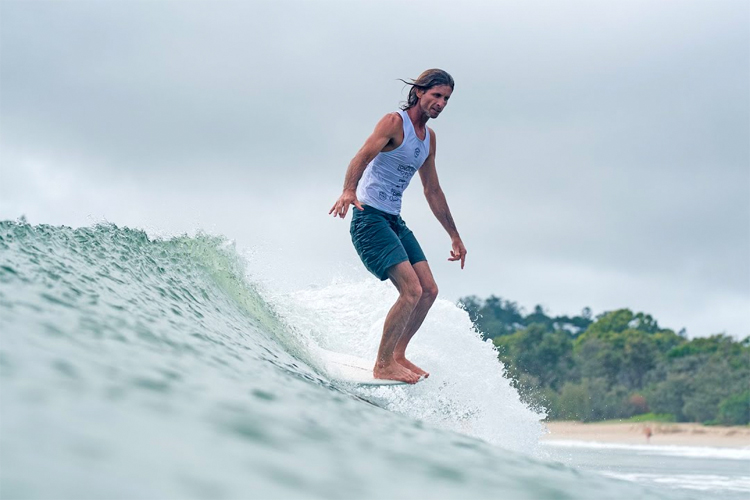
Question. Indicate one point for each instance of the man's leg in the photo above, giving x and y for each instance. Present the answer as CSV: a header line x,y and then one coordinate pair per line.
x,y
406,280
429,294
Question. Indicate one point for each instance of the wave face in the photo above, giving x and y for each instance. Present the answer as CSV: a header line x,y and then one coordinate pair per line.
x,y
133,367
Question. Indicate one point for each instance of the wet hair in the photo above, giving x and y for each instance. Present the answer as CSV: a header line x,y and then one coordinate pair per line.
x,y
425,81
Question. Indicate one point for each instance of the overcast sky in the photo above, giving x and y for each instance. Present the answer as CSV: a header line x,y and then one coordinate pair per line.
x,y
593,153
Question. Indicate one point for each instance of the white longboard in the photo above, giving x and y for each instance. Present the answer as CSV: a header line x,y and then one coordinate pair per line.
x,y
352,369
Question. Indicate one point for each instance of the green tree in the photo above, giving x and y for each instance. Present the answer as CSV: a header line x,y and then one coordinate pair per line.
x,y
493,317
619,365
537,351
669,395
735,410
574,402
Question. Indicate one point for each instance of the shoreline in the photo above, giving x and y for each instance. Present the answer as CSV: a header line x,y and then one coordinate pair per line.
x,y
661,433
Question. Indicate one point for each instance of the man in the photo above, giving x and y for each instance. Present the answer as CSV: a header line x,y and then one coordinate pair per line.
x,y
401,145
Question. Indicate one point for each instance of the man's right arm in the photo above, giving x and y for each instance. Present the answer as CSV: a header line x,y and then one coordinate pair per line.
x,y
386,130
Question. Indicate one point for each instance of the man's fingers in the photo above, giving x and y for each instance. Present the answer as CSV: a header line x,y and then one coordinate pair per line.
x,y
461,255
341,208
336,209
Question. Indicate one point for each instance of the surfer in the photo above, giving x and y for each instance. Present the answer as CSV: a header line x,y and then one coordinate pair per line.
x,y
376,178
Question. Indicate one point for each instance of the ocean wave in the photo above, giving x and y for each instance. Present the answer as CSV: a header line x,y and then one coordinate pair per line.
x,y
156,367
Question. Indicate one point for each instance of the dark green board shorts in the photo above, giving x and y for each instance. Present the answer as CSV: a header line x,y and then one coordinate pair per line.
x,y
382,240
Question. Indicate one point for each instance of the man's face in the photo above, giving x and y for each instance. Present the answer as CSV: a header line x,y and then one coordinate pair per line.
x,y
433,100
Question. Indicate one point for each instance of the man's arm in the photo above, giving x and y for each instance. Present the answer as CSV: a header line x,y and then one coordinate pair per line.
x,y
438,204
386,130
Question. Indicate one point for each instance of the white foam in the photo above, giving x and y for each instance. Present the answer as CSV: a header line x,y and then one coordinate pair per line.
x,y
702,482
466,391
676,451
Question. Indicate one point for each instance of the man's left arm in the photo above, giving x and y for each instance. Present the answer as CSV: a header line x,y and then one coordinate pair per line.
x,y
438,204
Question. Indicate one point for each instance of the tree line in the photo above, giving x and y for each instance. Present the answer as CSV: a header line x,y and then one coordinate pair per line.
x,y
616,365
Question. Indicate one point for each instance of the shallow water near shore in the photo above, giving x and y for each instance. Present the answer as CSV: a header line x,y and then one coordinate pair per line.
x,y
133,367
698,470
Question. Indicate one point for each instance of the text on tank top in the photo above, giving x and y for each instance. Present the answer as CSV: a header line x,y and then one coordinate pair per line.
x,y
389,173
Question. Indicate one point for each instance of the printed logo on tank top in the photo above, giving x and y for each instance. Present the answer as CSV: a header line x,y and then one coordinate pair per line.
x,y
389,173
405,174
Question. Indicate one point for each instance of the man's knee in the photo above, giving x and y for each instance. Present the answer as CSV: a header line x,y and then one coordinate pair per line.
x,y
412,292
429,291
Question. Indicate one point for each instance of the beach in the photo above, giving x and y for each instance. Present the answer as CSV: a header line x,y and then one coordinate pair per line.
x,y
672,434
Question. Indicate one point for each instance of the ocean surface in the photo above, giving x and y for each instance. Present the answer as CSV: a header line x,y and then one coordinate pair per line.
x,y
140,367
695,471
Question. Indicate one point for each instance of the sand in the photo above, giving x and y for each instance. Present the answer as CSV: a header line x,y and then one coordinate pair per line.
x,y
661,434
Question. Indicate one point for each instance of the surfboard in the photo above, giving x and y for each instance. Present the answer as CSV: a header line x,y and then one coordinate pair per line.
x,y
352,369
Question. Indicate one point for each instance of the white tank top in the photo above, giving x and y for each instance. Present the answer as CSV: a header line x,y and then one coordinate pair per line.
x,y
386,177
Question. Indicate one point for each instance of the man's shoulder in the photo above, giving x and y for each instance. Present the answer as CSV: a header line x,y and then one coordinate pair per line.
x,y
391,123
393,118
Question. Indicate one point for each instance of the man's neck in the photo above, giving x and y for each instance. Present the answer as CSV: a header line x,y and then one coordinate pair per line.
x,y
418,117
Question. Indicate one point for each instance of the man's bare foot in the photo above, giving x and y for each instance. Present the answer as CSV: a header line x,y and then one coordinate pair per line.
x,y
395,371
411,366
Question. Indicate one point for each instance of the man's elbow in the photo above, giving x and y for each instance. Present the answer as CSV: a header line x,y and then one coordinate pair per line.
x,y
432,193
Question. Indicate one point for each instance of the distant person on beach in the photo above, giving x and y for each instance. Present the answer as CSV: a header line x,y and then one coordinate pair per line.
x,y
400,145
647,432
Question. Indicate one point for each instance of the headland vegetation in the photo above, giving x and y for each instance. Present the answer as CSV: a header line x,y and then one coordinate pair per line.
x,y
616,365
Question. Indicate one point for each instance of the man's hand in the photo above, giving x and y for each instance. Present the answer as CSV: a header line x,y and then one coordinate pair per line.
x,y
341,207
458,252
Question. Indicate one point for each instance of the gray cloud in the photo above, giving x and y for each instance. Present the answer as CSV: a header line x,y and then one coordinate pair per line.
x,y
593,153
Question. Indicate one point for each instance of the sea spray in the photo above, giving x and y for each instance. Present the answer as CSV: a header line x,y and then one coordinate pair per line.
x,y
466,392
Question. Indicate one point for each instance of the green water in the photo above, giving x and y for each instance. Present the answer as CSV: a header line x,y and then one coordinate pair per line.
x,y
133,367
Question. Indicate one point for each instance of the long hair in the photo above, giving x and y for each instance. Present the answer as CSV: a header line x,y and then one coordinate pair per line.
x,y
425,81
